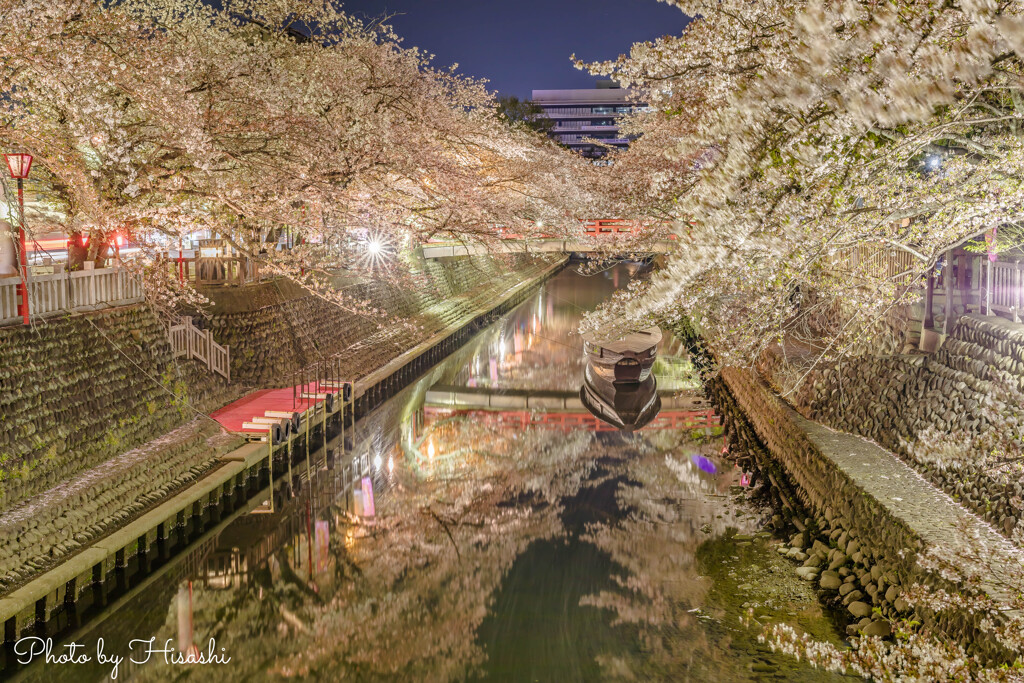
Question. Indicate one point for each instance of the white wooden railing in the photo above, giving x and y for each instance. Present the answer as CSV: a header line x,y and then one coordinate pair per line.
x,y
1007,294
877,261
64,292
191,342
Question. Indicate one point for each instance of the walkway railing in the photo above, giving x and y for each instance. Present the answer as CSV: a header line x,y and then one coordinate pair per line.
x,y
878,261
74,292
189,341
1007,292
215,270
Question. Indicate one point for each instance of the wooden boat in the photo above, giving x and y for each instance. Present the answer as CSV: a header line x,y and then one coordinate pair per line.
x,y
626,359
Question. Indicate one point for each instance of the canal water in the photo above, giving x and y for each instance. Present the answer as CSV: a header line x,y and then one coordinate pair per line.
x,y
482,525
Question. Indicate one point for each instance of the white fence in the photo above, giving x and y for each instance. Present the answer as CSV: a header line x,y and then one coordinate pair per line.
x,y
189,341
1007,293
64,292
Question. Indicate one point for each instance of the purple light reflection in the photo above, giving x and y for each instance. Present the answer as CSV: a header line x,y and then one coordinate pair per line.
x,y
704,464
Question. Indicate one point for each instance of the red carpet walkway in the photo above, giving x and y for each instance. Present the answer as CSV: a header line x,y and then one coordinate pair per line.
x,y
235,416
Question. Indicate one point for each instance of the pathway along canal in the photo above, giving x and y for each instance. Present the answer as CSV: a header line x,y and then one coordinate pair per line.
x,y
551,552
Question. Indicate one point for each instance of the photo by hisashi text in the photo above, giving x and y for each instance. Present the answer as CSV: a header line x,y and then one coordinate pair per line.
x,y
140,651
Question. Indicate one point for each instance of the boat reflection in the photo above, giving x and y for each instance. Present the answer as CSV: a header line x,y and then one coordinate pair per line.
x,y
628,406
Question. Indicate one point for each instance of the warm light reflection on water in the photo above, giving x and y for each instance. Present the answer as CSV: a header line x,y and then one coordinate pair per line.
x,y
481,527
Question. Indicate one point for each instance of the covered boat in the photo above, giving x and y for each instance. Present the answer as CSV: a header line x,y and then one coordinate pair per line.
x,y
625,359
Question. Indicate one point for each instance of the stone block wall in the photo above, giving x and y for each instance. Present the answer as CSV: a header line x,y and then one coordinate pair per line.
x,y
95,417
862,555
271,343
69,399
967,390
41,531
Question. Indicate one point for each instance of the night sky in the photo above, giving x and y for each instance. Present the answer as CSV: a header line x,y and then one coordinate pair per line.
x,y
521,45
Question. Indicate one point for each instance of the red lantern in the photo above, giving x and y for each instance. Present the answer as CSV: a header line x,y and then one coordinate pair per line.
x,y
18,164
84,239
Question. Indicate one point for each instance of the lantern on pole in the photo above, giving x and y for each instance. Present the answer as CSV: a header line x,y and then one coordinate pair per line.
x,y
19,165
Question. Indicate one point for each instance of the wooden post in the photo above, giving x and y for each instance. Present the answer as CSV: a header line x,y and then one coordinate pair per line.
x,y
928,320
1016,293
209,350
947,279
988,286
270,463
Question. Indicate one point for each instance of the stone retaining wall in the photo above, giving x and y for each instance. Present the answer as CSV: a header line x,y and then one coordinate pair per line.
x,y
37,534
91,436
861,516
271,343
861,555
966,391
69,399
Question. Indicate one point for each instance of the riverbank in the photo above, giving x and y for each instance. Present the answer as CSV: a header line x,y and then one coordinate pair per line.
x,y
862,516
93,507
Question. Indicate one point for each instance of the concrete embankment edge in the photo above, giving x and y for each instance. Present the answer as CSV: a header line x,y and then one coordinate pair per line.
x,y
872,511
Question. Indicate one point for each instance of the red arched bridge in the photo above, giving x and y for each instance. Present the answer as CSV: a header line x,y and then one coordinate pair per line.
x,y
603,235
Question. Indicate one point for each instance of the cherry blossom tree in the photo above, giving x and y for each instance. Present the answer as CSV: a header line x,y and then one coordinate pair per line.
x,y
164,117
808,131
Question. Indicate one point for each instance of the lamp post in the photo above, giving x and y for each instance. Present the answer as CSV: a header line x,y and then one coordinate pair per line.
x,y
19,165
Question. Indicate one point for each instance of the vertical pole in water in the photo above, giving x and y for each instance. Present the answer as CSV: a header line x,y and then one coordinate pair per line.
x,y
309,478
291,477
270,463
323,429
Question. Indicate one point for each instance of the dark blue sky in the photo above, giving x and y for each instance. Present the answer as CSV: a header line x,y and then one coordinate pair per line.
x,y
520,45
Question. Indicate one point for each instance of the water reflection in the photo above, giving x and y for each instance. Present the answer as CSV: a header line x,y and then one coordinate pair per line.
x,y
511,535
627,406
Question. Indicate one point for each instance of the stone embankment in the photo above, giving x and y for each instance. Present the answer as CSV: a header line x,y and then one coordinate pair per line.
x,y
285,333
100,421
861,513
944,414
76,391
36,534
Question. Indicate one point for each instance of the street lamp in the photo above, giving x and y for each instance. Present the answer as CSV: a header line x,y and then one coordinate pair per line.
x,y
19,165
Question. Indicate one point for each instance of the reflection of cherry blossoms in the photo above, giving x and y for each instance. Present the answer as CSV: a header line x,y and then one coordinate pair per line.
x,y
408,591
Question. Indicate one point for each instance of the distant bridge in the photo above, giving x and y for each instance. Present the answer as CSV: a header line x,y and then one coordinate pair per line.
x,y
598,231
539,246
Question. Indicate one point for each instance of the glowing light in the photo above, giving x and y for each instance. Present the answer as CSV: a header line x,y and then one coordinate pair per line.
x,y
377,462
932,162
430,449
391,464
377,251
